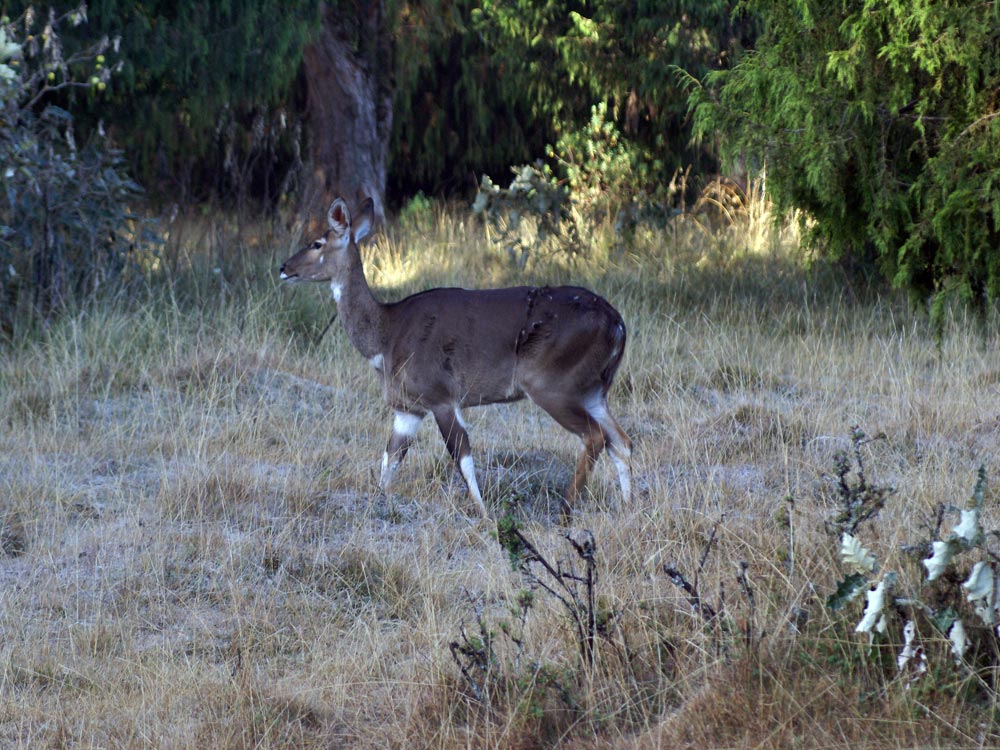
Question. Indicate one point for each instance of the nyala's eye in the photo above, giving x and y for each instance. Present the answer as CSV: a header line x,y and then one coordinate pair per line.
x,y
317,245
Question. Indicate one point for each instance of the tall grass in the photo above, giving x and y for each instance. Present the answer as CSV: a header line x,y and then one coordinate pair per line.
x,y
195,554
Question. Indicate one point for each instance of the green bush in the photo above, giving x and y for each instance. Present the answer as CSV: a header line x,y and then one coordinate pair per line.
x,y
595,175
534,213
879,120
606,172
66,227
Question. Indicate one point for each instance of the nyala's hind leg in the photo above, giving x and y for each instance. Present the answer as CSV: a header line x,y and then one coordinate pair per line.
x,y
449,421
593,444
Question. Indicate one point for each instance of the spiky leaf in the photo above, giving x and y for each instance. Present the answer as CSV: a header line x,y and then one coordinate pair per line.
x,y
969,528
873,615
853,554
846,591
980,583
959,642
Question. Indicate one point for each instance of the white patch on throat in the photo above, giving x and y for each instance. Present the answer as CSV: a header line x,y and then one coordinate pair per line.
x,y
377,361
337,289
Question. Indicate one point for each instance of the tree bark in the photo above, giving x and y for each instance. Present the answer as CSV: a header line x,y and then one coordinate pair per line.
x,y
348,71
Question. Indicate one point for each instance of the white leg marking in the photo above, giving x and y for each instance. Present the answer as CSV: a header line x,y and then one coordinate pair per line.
x,y
624,472
469,473
406,424
597,408
387,471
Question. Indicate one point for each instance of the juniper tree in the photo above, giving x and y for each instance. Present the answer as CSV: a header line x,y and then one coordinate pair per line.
x,y
878,119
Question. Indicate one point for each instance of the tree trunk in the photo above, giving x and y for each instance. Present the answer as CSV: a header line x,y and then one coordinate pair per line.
x,y
348,70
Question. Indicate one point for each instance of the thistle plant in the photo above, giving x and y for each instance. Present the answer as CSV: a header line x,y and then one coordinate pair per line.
x,y
533,213
957,600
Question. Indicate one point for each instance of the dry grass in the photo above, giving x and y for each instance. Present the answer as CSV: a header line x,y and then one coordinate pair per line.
x,y
194,555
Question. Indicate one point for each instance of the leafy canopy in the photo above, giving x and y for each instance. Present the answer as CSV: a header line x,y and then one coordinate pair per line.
x,y
189,70
453,115
566,56
879,118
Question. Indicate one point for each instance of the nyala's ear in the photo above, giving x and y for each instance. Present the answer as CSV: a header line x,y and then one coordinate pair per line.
x,y
338,217
365,220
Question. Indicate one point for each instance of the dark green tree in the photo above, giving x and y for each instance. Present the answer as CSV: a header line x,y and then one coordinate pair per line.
x,y
222,99
879,121
231,98
454,117
563,57
200,101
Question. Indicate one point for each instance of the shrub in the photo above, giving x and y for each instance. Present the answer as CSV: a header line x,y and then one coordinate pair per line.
x,y
598,175
958,603
66,227
879,121
534,213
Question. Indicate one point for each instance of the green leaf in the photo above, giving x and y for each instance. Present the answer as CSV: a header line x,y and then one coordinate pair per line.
x,y
585,26
944,618
846,591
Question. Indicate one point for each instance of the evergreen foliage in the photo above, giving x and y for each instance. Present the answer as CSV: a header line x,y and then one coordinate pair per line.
x,y
192,104
879,120
453,116
565,57
66,228
209,99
